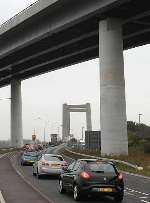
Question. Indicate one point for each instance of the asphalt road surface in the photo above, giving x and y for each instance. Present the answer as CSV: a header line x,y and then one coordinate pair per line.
x,y
137,189
14,189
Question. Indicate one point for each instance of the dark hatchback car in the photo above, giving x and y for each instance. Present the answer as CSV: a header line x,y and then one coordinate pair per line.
x,y
91,176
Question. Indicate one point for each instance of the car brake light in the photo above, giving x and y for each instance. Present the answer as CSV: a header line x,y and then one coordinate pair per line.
x,y
45,164
65,164
120,177
85,175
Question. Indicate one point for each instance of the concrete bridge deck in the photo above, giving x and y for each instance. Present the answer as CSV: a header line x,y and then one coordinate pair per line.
x,y
53,34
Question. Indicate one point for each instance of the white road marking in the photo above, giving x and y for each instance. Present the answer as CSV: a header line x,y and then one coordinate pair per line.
x,y
143,197
2,198
130,194
144,201
132,190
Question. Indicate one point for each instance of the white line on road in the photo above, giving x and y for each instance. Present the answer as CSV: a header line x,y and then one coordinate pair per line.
x,y
2,198
128,193
144,201
131,190
143,197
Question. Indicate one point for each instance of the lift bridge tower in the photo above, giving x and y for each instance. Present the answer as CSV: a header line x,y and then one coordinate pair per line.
x,y
67,109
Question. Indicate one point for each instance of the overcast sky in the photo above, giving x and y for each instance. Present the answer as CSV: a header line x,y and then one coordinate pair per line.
x,y
44,95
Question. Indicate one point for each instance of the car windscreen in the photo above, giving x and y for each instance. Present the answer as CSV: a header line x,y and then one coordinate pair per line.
x,y
53,158
101,167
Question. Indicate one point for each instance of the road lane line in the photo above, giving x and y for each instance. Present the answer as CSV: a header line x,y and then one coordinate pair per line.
x,y
128,193
2,198
136,196
132,190
144,201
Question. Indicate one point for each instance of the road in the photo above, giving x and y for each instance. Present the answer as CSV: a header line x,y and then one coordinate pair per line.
x,y
14,189
137,189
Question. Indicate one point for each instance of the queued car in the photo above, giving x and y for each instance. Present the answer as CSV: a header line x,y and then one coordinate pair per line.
x,y
28,158
48,164
91,176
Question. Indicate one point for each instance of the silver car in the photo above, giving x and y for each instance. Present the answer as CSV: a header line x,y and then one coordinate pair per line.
x,y
49,164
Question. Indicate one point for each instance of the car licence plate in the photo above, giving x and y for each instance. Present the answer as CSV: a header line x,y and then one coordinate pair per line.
x,y
55,166
105,189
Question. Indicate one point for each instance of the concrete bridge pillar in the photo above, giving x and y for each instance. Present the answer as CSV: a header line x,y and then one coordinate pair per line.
x,y
112,89
16,114
88,117
65,123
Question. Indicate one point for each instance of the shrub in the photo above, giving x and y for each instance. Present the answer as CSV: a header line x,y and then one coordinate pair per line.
x,y
133,139
147,147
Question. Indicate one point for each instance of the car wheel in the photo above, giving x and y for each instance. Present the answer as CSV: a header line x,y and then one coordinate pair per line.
x,y
34,174
61,188
118,197
38,175
76,193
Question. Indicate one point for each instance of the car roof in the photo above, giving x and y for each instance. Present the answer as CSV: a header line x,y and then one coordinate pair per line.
x,y
86,159
29,152
101,160
53,155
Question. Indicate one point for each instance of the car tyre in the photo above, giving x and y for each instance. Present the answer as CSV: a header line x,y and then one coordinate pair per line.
x,y
76,193
34,174
38,175
22,164
61,188
118,197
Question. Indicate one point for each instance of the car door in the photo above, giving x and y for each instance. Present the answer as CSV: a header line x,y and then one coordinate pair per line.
x,y
72,175
67,175
37,163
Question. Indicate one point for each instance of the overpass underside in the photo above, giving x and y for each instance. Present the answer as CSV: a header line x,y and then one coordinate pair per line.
x,y
65,32
61,36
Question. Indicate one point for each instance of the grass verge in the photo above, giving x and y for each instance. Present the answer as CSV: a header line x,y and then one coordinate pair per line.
x,y
134,159
4,151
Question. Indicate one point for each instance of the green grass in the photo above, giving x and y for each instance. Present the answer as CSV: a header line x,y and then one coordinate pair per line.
x,y
3,151
136,157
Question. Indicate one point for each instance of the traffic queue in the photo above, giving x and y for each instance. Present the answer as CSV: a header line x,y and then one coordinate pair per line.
x,y
82,177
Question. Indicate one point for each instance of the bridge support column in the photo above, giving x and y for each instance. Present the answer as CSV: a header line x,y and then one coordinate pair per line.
x,y
88,117
65,123
112,89
16,114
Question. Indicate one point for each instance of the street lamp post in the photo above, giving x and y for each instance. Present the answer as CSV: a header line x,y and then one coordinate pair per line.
x,y
140,117
44,131
82,132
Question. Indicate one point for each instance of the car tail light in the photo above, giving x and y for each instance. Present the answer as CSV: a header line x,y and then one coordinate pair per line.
x,y
65,164
85,175
120,177
45,164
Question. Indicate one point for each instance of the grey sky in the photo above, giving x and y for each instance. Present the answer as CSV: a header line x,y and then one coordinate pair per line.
x,y
44,95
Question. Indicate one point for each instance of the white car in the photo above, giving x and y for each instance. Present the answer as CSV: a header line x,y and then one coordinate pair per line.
x,y
49,164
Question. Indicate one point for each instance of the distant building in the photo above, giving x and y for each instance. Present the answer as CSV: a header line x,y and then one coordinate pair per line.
x,y
54,138
93,140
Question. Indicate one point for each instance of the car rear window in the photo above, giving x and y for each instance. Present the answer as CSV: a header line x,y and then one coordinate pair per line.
x,y
30,154
101,167
53,158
